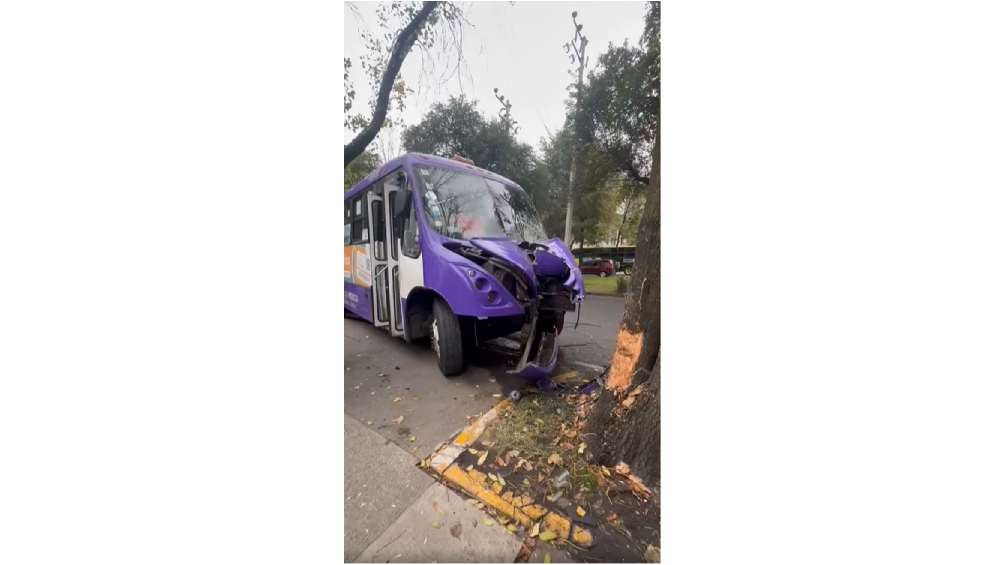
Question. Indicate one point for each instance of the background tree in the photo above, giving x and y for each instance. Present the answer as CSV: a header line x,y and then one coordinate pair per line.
x,y
623,424
457,127
360,167
621,101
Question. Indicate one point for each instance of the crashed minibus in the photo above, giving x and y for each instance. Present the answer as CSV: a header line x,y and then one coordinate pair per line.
x,y
440,249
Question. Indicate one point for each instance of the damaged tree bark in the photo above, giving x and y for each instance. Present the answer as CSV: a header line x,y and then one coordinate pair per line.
x,y
623,424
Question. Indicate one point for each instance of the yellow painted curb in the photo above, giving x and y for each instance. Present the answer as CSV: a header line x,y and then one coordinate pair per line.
x,y
475,483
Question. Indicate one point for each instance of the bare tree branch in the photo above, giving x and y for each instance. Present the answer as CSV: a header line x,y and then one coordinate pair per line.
x,y
403,44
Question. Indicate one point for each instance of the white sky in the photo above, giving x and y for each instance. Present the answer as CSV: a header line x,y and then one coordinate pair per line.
x,y
515,46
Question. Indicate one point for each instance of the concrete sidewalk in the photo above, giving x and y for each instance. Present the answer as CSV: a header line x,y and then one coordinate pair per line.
x,y
394,512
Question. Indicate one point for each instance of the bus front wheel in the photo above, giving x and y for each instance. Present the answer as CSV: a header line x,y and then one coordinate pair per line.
x,y
447,339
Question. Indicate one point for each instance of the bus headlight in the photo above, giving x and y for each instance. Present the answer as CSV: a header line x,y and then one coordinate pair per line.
x,y
493,297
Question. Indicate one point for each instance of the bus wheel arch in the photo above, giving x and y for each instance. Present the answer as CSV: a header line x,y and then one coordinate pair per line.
x,y
418,314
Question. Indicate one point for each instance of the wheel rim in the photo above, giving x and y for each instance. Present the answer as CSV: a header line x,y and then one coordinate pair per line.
x,y
435,337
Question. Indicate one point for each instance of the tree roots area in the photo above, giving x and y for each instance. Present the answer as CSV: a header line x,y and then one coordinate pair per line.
x,y
539,450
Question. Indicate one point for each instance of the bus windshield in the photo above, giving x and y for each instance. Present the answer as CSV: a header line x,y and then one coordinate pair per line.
x,y
465,206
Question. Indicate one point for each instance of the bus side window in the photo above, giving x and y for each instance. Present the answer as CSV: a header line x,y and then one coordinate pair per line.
x,y
360,226
348,223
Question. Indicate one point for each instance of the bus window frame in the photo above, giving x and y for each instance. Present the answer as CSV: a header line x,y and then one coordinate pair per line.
x,y
360,219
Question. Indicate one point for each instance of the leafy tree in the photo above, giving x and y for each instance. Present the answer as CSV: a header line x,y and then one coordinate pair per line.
x,y
360,167
621,101
457,127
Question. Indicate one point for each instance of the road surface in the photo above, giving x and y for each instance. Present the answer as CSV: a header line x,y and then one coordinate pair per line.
x,y
398,408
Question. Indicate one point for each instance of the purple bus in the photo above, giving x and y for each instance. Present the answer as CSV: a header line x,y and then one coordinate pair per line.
x,y
442,250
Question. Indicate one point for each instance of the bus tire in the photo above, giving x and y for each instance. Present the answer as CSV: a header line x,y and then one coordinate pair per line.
x,y
447,339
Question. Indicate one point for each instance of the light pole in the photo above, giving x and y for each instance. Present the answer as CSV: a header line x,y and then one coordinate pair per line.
x,y
576,51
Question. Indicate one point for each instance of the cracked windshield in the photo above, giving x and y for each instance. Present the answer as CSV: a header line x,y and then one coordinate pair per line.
x,y
465,206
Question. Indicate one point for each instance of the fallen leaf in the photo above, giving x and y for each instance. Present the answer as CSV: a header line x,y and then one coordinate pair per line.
x,y
582,448
500,462
502,480
535,530
493,477
473,451
397,399
554,459
412,438
547,535
472,501
637,486
455,530
435,524
398,420
484,456
511,527
489,522
496,395
580,511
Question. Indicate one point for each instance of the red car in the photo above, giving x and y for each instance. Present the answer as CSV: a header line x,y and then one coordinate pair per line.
x,y
601,267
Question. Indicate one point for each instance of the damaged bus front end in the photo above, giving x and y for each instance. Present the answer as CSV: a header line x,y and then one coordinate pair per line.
x,y
486,256
542,278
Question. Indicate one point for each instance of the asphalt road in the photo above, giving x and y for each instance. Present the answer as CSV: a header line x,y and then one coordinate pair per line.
x,y
399,407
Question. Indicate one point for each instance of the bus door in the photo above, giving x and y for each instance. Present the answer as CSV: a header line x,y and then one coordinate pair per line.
x,y
378,256
393,189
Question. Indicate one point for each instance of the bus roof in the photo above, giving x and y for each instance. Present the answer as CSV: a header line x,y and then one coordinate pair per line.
x,y
421,159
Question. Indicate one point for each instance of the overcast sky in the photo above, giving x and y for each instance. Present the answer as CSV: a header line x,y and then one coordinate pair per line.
x,y
516,47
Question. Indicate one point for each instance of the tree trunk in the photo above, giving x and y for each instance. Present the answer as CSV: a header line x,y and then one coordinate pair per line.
x,y
402,45
623,425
